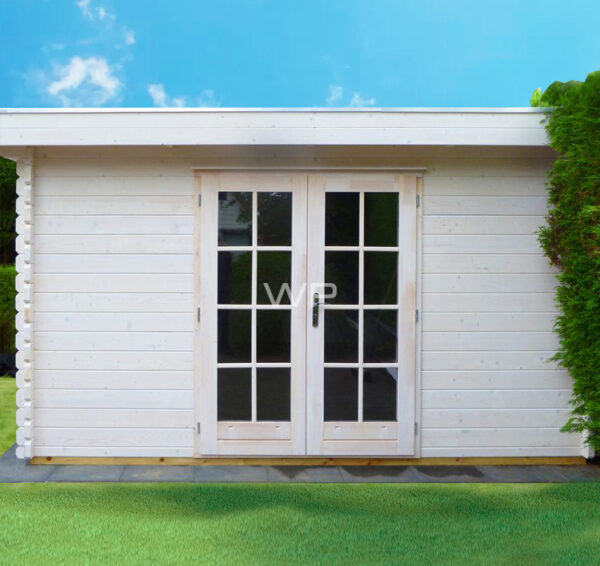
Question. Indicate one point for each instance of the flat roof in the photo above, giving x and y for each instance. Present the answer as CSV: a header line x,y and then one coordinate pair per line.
x,y
272,126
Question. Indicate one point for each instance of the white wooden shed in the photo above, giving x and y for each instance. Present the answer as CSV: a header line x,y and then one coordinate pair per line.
x,y
146,330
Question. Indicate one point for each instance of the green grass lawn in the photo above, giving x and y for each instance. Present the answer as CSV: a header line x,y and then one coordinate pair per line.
x,y
300,524
8,409
294,524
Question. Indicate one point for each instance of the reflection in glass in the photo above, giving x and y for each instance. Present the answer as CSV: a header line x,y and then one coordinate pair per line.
x,y
341,394
380,335
341,335
273,336
234,394
235,278
234,337
341,269
274,219
274,269
379,394
381,219
381,278
273,394
235,219
341,219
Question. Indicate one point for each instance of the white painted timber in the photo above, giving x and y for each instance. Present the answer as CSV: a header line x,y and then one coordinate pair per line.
x,y
477,127
110,276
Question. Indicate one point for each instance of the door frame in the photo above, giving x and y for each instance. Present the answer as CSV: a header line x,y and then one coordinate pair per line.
x,y
198,389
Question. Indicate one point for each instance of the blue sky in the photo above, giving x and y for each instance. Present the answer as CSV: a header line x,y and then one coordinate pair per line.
x,y
280,53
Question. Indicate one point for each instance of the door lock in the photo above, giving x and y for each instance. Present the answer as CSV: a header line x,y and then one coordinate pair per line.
x,y
315,314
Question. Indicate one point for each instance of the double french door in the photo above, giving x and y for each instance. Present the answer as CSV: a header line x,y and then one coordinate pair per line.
x,y
306,328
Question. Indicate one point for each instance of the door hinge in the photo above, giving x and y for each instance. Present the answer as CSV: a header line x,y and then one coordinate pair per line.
x,y
417,315
416,428
198,428
198,314
199,199
418,200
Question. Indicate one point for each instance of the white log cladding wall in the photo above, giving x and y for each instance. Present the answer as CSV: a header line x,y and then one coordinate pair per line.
x,y
114,315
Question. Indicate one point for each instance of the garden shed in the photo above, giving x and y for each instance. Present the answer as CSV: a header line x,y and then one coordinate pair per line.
x,y
306,283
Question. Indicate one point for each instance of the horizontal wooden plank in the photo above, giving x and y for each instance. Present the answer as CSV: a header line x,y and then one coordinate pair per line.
x,y
106,399
495,379
114,418
162,361
108,263
503,452
486,322
111,205
360,431
113,303
111,225
485,263
158,452
481,244
117,321
115,341
484,186
488,283
481,225
474,341
102,186
113,244
118,283
500,437
494,418
496,399
488,302
487,361
113,379
114,437
496,205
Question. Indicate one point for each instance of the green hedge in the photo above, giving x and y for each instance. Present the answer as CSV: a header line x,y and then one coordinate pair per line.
x,y
7,308
571,239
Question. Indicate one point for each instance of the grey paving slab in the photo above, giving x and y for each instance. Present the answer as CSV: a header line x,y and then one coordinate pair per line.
x,y
86,474
308,474
589,472
13,470
379,474
158,474
217,474
450,474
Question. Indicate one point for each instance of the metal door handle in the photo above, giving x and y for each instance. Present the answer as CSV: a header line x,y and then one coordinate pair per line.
x,y
315,317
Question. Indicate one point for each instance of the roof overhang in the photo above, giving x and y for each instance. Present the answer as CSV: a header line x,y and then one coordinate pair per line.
x,y
254,126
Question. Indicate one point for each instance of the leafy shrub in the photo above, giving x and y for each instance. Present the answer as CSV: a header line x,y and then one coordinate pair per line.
x,y
571,239
7,308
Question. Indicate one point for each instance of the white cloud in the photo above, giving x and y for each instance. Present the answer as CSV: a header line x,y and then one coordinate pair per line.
x,y
160,98
83,82
335,94
129,37
358,101
84,6
103,14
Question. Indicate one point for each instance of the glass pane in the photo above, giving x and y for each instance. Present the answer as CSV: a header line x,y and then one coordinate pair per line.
x,y
273,394
234,394
235,278
274,219
234,336
341,219
341,335
381,278
381,219
235,219
274,270
341,270
380,335
379,394
341,394
273,336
